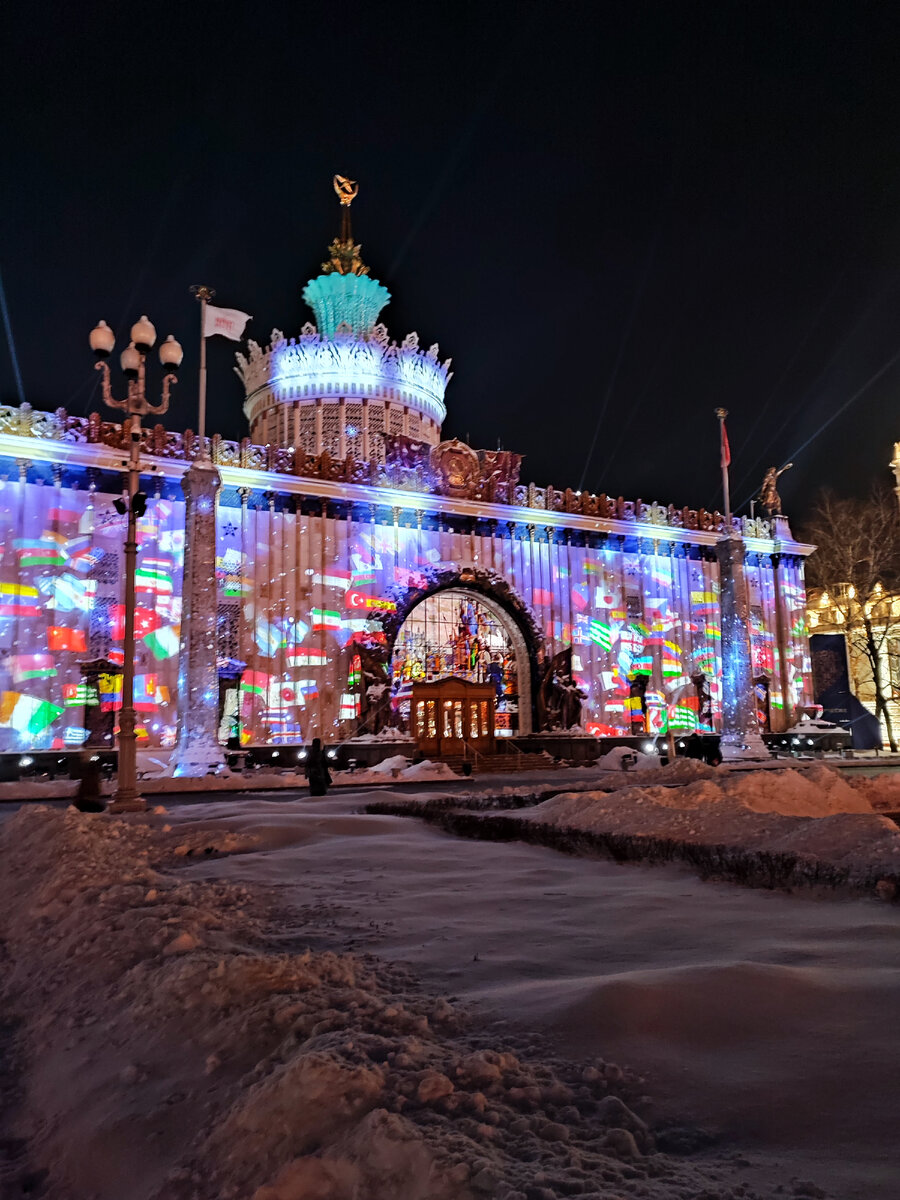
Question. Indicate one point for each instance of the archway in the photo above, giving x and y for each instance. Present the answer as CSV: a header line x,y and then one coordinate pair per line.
x,y
469,624
459,633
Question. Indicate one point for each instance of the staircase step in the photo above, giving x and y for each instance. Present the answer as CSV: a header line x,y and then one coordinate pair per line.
x,y
497,764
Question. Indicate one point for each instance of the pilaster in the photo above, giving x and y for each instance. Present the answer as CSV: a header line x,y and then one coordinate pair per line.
x,y
198,748
740,727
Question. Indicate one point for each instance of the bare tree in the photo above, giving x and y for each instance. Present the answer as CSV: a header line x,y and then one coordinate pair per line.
x,y
857,564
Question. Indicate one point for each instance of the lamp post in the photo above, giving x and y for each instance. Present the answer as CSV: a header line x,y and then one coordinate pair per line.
x,y
136,405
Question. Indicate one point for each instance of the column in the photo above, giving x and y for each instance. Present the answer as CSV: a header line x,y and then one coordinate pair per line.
x,y
782,627
740,728
198,749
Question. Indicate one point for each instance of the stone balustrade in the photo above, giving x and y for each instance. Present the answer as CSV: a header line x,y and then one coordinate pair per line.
x,y
410,474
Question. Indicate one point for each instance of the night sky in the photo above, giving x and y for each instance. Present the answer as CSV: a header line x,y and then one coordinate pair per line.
x,y
614,217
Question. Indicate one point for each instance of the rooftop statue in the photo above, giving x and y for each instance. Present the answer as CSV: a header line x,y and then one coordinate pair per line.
x,y
769,498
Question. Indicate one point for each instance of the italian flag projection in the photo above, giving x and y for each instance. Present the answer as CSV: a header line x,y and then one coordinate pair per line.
x,y
26,714
163,643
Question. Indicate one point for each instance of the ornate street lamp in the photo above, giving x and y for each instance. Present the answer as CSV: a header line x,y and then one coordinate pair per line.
x,y
136,405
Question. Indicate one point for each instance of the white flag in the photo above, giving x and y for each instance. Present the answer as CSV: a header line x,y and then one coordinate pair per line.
x,y
229,322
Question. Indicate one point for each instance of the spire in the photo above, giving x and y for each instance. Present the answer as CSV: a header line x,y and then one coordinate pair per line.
x,y
345,294
344,256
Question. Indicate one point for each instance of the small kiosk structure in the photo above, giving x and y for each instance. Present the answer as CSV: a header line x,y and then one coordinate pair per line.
x,y
451,715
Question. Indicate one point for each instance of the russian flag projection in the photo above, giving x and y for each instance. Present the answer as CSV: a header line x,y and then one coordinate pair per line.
x,y
300,595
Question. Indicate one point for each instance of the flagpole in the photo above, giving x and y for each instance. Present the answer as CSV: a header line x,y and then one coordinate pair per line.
x,y
204,295
725,459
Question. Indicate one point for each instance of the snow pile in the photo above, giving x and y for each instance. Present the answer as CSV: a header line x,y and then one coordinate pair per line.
x,y
39,789
388,734
396,767
387,766
428,770
685,770
814,792
812,813
881,791
619,756
176,1053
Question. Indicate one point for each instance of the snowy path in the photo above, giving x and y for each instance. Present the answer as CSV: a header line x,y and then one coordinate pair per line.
x,y
772,1018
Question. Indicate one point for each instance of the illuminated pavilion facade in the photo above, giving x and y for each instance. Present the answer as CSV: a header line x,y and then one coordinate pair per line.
x,y
344,551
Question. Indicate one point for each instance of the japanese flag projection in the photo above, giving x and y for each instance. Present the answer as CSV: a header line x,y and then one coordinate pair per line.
x,y
229,322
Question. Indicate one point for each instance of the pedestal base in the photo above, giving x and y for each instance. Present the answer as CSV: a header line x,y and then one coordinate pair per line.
x,y
196,761
127,804
743,747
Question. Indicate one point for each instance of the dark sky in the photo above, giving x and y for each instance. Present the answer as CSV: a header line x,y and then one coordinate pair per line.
x,y
614,217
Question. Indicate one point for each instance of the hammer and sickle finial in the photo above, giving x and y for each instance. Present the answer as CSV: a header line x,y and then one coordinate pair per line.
x,y
346,190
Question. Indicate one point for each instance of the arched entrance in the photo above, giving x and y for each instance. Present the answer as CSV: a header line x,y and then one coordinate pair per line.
x,y
459,632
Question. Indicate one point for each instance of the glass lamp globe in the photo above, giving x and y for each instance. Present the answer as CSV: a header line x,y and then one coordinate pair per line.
x,y
130,360
171,353
102,339
143,334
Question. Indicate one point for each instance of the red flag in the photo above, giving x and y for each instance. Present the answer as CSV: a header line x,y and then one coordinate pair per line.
x,y
61,638
726,449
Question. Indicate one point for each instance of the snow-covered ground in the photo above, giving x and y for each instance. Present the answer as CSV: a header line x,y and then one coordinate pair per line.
x,y
788,827
155,777
201,1016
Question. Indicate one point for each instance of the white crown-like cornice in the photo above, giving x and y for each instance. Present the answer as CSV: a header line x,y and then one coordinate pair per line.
x,y
349,364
